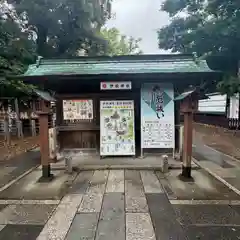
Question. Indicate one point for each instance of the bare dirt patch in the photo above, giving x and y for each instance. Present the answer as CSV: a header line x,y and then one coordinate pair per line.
x,y
17,146
223,140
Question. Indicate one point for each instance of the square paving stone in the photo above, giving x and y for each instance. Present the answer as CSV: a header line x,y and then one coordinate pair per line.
x,y
81,183
112,218
133,184
164,218
58,225
151,183
115,181
136,204
133,176
139,226
98,182
83,227
20,232
26,214
91,203
206,214
213,232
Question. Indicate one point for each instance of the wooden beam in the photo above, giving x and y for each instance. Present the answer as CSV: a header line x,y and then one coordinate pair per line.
x,y
187,145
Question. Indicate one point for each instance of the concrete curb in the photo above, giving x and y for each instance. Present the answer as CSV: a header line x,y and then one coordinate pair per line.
x,y
117,167
217,177
18,178
232,158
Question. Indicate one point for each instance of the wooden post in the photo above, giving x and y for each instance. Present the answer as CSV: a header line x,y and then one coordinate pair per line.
x,y
33,127
44,143
18,121
177,128
188,105
33,121
44,147
7,134
187,145
6,131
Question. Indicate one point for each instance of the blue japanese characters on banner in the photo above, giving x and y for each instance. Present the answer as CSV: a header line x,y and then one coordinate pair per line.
x,y
157,115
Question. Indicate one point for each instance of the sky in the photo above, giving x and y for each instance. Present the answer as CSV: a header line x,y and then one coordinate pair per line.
x,y
140,19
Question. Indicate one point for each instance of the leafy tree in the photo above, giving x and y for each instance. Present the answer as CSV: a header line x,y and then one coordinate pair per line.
x,y
206,28
17,50
118,44
62,27
49,28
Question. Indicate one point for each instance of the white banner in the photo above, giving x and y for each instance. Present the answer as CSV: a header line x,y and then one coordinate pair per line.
x,y
157,116
52,133
234,106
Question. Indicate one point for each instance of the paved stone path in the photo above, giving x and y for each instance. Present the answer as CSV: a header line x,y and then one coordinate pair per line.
x,y
18,165
223,167
126,205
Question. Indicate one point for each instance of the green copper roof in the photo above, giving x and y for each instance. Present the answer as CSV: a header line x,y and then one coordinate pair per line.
x,y
184,95
118,65
190,92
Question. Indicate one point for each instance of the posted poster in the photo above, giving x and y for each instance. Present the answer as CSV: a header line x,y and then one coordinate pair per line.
x,y
78,109
117,135
157,115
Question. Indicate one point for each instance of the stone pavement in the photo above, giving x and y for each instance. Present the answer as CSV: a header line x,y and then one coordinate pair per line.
x,y
18,165
92,161
225,168
128,205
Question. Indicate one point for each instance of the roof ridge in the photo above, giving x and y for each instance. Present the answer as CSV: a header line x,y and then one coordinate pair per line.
x,y
120,58
117,66
57,62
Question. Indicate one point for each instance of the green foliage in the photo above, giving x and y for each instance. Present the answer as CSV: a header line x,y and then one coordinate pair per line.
x,y
204,27
118,44
49,28
230,85
63,27
16,51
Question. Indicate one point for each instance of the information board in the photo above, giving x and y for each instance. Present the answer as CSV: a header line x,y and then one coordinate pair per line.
x,y
81,109
117,136
157,115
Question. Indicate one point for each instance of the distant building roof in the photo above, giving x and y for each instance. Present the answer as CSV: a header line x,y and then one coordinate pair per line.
x,y
44,95
175,63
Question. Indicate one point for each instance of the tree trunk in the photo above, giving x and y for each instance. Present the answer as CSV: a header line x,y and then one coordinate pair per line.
x,y
42,41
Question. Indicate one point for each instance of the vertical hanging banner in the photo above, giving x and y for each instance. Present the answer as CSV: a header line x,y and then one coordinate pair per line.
x,y
157,115
117,128
52,133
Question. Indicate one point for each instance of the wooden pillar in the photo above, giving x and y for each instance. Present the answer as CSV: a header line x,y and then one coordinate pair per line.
x,y
7,135
33,121
187,145
177,126
18,121
33,127
44,147
44,143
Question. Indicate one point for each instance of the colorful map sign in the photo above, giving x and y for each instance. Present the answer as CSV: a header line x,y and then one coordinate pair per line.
x,y
78,109
157,115
117,128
